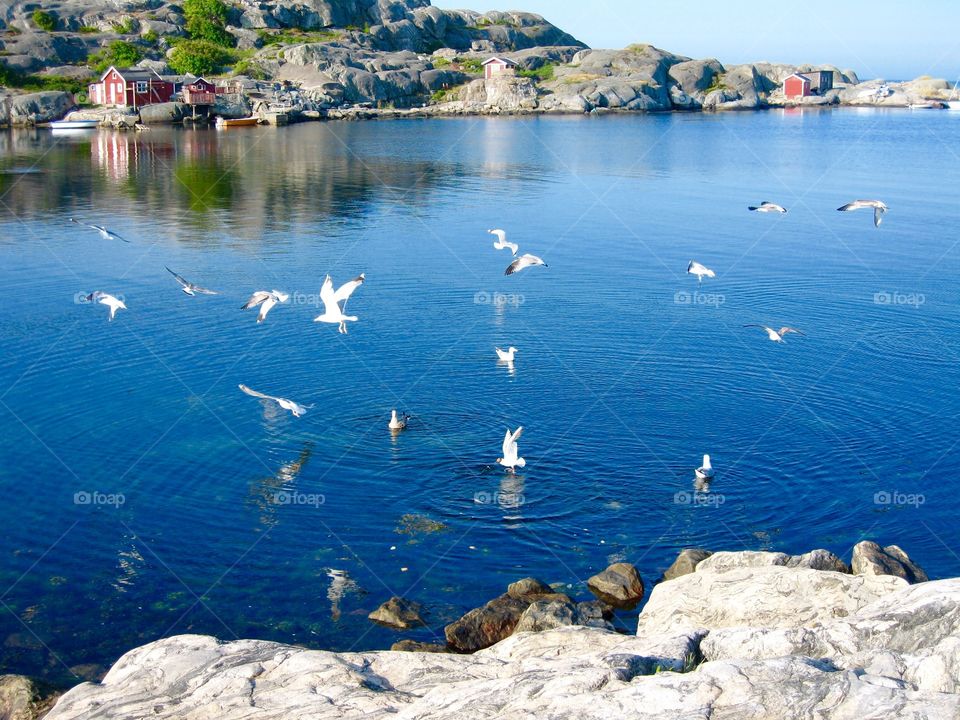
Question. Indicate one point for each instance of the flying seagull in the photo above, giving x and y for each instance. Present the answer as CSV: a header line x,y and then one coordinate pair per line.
x,y
189,288
290,405
104,233
767,207
879,208
105,299
501,243
510,459
695,268
506,355
705,471
777,335
266,300
524,261
397,422
332,310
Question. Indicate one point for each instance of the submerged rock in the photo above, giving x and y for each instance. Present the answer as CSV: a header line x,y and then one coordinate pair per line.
x,y
398,613
23,699
619,585
871,559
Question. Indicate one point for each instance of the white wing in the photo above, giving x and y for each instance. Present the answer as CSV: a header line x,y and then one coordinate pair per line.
x,y
328,297
501,235
516,436
254,393
877,216
347,289
266,307
508,445
255,299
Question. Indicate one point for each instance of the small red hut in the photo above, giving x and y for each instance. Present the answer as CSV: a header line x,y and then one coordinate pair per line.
x,y
796,86
130,87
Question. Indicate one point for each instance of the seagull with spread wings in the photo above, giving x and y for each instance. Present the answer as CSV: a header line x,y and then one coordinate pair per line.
x,y
104,233
333,311
511,459
266,299
777,335
290,405
879,208
188,287
501,243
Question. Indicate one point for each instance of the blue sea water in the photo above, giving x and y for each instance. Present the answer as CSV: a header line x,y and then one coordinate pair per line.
x,y
145,495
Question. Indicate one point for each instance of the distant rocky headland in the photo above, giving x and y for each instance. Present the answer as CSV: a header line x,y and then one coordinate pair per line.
x,y
723,635
374,58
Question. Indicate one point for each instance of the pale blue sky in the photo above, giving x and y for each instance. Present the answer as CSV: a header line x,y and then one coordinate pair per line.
x,y
893,39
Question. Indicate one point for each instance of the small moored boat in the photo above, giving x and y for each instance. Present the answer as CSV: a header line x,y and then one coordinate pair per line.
x,y
74,124
236,122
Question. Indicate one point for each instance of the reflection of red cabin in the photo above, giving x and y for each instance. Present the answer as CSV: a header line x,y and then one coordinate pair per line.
x,y
130,87
199,92
796,86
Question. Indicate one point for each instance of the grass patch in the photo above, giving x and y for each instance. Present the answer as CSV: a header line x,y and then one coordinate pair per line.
x,y
291,36
470,65
578,78
124,28
88,29
440,63
251,69
40,83
541,74
639,48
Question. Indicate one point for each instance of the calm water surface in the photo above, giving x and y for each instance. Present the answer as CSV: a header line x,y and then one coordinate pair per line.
x,y
234,515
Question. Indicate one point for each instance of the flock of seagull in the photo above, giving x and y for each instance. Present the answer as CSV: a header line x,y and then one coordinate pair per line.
x,y
335,303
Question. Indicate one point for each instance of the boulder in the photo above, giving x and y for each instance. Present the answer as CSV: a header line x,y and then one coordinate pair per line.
x,y
39,107
686,562
398,613
485,626
547,615
158,113
414,646
528,587
768,596
23,699
813,560
871,559
619,585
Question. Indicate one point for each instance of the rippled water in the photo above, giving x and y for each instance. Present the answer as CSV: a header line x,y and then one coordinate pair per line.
x,y
624,378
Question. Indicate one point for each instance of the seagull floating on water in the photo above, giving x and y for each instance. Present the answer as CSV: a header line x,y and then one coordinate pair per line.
x,y
767,207
701,271
510,460
705,471
266,299
188,287
397,422
777,335
522,262
506,355
879,208
110,301
104,233
332,310
501,243
290,405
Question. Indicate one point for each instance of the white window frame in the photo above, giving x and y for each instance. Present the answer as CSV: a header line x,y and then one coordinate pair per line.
x,y
141,87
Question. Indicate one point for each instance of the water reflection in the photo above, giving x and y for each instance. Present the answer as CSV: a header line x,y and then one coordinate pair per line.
x,y
263,492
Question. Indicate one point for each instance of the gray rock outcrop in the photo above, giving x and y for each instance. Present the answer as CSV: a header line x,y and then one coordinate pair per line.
x,y
775,642
398,613
33,108
23,699
686,562
619,585
871,559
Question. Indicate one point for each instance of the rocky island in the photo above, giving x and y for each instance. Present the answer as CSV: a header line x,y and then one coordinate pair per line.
x,y
723,635
375,58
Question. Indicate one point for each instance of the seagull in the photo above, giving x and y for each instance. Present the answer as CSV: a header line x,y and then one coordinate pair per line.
x,y
397,422
524,261
705,471
777,335
104,233
332,312
510,459
767,207
695,268
189,288
501,243
506,355
879,208
105,299
290,405
266,300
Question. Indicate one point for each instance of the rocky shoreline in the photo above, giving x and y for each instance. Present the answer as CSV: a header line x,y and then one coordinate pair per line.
x,y
725,634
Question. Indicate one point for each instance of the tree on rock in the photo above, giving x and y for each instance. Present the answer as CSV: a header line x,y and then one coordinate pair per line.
x,y
207,20
199,57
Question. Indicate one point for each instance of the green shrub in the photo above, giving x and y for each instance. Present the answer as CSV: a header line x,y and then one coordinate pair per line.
x,y
124,28
88,29
150,37
440,63
292,36
251,69
200,57
206,20
119,53
44,20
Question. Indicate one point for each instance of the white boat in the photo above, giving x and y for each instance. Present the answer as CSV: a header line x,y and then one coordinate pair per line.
x,y
74,124
929,105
